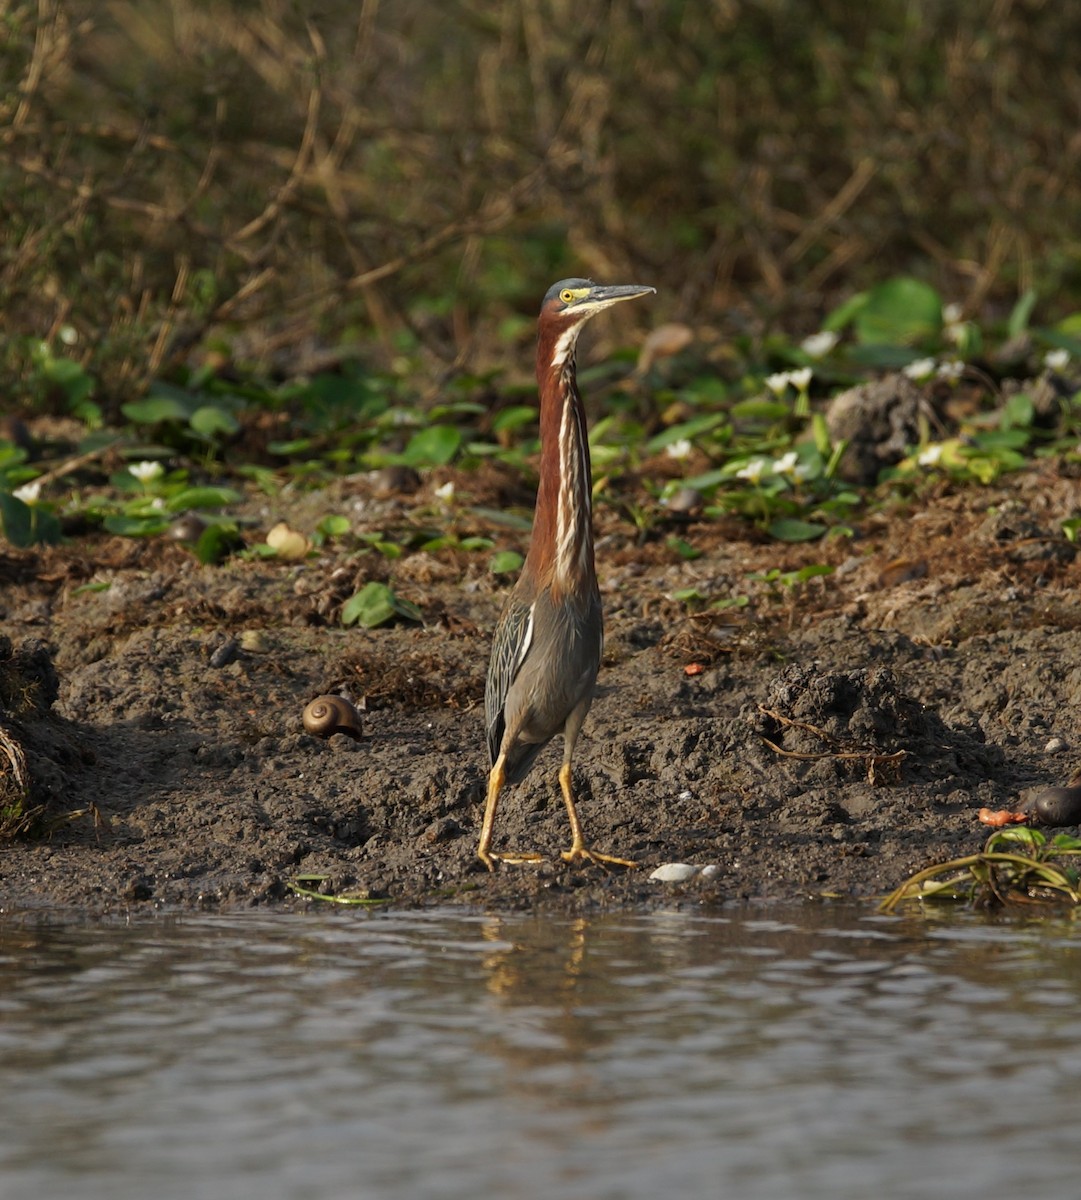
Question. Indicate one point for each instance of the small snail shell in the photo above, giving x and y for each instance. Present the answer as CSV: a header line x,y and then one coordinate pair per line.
x,y
328,715
1057,806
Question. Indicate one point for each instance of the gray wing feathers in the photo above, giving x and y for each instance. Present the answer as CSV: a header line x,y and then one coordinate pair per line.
x,y
509,649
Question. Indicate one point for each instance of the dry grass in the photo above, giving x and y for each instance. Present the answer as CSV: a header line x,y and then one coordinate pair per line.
x,y
181,173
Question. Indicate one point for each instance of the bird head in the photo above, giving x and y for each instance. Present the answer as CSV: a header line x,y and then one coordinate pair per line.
x,y
569,304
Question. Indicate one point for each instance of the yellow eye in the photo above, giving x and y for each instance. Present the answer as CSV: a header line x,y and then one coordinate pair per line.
x,y
566,295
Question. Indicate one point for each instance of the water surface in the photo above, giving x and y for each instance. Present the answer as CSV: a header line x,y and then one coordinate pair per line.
x,y
803,1052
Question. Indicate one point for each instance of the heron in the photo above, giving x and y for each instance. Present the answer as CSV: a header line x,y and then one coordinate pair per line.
x,y
546,651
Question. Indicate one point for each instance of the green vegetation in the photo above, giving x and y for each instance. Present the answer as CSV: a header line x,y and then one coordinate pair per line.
x,y
324,254
1019,864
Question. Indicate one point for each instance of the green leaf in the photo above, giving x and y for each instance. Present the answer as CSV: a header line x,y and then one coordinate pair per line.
x,y
16,520
334,525
513,418
127,526
1021,313
845,313
376,604
792,529
210,422
707,480
203,497
686,429
46,527
155,409
759,410
70,377
899,312
216,543
506,562
683,548
1019,833
1017,412
434,446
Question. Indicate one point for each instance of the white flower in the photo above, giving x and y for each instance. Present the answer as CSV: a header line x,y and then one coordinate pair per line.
x,y
754,470
445,491
147,472
1057,360
921,370
681,448
956,329
951,371
785,465
68,335
777,383
818,345
158,504
29,492
930,455
801,379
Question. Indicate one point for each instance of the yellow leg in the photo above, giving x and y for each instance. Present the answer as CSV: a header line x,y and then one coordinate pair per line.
x,y
495,786
578,848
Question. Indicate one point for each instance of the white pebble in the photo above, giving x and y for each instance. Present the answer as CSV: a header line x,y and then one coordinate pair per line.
x,y
674,873
1055,744
710,871
685,796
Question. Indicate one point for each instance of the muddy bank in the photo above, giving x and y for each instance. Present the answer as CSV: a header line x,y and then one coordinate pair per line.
x,y
824,739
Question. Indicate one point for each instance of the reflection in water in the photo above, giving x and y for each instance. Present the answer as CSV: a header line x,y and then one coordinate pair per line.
x,y
815,1051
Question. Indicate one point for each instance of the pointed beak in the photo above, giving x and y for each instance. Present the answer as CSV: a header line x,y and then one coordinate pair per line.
x,y
602,296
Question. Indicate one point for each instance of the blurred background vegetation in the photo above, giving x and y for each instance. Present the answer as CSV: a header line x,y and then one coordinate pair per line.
x,y
278,184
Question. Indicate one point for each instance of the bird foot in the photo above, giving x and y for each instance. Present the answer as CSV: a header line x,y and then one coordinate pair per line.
x,y
577,853
510,856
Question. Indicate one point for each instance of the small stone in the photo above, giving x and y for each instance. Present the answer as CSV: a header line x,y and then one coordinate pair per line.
x,y
711,871
684,500
1054,745
393,481
189,527
225,653
674,873
254,641
138,888
442,830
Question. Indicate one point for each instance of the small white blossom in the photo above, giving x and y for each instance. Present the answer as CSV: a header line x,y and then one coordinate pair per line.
x,y
956,330
818,345
921,370
930,455
1057,360
445,491
754,470
29,492
681,448
778,383
951,371
158,504
801,379
147,472
790,465
68,334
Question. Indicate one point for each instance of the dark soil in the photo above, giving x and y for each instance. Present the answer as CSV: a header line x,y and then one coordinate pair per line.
x,y
829,739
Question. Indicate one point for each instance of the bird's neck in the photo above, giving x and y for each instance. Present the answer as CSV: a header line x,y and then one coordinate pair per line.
x,y
561,551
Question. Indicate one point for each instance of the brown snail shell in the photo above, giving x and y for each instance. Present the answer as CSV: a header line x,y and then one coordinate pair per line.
x,y
328,715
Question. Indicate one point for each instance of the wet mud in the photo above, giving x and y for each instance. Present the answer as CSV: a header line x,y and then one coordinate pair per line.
x,y
823,739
